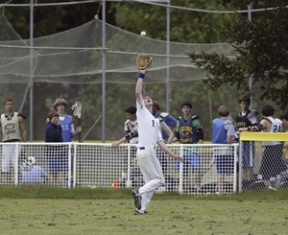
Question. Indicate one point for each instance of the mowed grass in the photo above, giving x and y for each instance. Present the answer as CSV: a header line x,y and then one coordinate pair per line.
x,y
47,210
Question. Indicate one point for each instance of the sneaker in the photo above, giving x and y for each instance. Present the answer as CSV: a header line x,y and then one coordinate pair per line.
x,y
140,212
137,198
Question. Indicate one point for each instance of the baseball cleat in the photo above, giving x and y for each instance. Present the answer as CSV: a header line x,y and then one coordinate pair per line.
x,y
140,212
137,198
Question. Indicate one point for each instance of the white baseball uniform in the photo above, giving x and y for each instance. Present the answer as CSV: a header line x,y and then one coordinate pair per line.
x,y
149,134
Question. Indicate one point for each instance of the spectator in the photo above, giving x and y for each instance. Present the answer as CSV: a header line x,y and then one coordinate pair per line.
x,y
168,137
131,136
130,124
67,121
189,131
246,118
13,129
272,163
167,118
31,173
223,133
57,157
284,119
130,128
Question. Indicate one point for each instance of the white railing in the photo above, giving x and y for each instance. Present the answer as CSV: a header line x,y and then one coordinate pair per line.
x,y
100,165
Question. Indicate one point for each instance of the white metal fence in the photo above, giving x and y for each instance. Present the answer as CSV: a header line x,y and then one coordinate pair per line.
x,y
101,165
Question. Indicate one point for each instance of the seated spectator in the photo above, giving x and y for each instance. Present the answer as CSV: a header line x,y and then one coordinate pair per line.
x,y
31,173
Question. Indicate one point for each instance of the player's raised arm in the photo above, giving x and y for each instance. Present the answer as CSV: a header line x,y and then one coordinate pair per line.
x,y
139,86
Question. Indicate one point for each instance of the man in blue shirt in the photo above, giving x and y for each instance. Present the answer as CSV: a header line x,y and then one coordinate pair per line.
x,y
223,133
67,121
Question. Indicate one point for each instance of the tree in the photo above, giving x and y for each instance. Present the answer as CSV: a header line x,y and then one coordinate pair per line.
x,y
185,25
261,53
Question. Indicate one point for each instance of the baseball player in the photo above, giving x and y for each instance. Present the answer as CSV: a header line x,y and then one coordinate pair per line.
x,y
149,136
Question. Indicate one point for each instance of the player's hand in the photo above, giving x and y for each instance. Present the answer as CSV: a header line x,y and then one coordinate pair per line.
x,y
78,129
181,159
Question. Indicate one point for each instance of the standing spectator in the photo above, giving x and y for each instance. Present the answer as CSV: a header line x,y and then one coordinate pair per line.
x,y
67,121
13,129
67,124
223,133
131,136
57,158
167,118
130,128
189,131
149,136
272,163
32,173
284,119
130,124
246,118
168,137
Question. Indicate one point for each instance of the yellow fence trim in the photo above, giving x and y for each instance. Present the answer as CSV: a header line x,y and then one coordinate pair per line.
x,y
263,136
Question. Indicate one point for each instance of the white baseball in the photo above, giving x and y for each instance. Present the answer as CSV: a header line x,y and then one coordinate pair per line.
x,y
143,33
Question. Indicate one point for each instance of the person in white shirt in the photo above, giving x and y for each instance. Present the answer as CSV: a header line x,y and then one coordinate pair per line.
x,y
12,129
149,137
272,163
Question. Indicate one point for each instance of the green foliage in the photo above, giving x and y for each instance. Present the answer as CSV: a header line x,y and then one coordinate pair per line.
x,y
185,25
262,54
48,20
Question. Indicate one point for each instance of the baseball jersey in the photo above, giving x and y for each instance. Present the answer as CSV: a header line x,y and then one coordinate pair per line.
x,y
10,127
148,127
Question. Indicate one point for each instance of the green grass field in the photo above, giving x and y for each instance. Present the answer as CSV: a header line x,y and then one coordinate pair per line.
x,y
45,210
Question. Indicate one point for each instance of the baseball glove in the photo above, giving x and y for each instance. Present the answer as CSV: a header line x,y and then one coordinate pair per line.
x,y
143,61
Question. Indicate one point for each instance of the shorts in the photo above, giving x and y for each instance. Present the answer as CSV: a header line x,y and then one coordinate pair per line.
x,y
58,164
8,157
190,160
225,164
273,162
57,159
